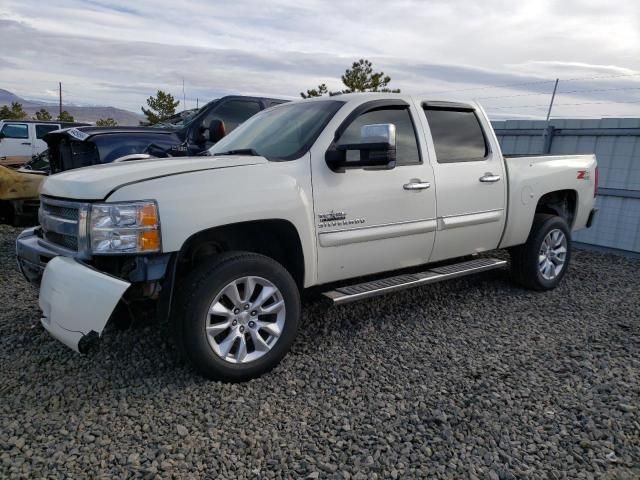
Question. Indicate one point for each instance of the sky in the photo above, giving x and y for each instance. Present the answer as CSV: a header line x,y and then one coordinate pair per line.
x,y
504,53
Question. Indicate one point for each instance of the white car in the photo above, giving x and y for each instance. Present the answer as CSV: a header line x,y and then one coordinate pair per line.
x,y
20,140
311,193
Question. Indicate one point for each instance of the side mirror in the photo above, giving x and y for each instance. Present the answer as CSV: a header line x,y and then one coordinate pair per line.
x,y
377,148
217,130
2,135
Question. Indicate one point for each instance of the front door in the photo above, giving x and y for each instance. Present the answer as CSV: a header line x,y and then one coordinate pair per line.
x,y
369,221
471,180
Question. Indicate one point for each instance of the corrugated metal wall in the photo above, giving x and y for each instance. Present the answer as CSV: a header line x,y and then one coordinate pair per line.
x,y
616,143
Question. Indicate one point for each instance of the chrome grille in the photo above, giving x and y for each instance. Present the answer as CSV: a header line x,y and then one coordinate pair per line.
x,y
67,213
67,241
64,225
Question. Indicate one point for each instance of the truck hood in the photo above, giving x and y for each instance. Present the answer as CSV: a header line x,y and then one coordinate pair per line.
x,y
84,133
97,182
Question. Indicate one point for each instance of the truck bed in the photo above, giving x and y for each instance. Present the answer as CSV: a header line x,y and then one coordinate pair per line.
x,y
529,174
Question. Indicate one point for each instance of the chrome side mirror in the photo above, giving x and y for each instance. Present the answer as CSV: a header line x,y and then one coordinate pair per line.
x,y
378,133
377,148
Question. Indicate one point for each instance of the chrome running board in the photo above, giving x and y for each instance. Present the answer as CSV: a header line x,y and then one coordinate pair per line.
x,y
364,290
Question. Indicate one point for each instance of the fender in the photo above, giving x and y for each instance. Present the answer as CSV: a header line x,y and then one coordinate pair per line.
x,y
193,202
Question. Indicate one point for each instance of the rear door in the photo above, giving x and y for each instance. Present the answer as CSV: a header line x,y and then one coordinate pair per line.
x,y
470,179
15,144
41,129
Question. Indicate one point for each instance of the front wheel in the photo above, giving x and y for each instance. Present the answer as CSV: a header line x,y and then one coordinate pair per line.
x,y
543,260
238,316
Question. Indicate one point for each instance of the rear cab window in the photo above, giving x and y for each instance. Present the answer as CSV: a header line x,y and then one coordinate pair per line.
x,y
233,113
15,130
457,134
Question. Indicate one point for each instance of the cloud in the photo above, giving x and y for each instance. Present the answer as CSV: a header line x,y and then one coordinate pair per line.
x,y
118,52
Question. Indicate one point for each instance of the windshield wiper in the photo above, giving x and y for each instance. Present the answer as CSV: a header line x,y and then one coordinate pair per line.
x,y
239,151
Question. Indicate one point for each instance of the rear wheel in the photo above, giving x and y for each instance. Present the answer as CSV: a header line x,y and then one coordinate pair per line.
x,y
238,316
543,260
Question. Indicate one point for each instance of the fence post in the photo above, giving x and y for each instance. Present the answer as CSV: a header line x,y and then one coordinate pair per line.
x,y
547,138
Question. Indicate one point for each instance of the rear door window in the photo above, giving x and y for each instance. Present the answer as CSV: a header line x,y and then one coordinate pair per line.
x,y
457,135
15,130
42,130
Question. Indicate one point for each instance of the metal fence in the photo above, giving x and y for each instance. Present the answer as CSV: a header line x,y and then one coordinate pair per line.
x,y
616,143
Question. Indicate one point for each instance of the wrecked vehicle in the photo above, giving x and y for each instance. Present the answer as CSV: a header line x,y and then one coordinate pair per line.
x,y
82,147
20,140
19,191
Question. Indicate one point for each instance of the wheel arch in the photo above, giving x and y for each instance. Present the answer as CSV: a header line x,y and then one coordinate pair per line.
x,y
562,203
275,238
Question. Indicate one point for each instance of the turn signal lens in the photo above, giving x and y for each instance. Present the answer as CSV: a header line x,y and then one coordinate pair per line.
x,y
149,241
148,215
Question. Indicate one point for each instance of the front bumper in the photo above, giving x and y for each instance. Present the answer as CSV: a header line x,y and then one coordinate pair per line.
x,y
32,255
77,301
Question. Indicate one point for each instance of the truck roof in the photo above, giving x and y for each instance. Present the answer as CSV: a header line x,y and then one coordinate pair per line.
x,y
360,97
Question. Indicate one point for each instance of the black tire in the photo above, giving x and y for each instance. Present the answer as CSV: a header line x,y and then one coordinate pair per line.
x,y
524,258
198,291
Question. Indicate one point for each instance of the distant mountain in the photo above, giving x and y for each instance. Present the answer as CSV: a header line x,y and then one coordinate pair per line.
x,y
6,97
80,114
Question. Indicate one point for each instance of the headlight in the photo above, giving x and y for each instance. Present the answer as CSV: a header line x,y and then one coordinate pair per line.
x,y
131,227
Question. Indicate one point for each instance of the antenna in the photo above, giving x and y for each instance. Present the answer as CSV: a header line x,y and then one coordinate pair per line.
x,y
553,97
60,98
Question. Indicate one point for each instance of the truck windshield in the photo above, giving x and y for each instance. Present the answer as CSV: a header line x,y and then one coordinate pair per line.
x,y
284,132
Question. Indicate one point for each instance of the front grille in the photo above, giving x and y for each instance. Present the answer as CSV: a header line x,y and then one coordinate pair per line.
x,y
66,241
68,213
61,222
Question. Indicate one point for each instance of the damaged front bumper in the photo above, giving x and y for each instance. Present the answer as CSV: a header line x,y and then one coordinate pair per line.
x,y
77,301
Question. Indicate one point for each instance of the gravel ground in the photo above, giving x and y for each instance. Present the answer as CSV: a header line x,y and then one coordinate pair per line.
x,y
473,378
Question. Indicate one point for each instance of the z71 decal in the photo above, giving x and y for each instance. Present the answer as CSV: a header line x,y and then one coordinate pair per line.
x,y
583,175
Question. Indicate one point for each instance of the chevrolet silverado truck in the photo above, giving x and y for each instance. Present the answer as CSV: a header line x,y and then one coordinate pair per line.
x,y
358,195
81,147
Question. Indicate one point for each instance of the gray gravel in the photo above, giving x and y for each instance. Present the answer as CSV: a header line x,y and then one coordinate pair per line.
x,y
470,379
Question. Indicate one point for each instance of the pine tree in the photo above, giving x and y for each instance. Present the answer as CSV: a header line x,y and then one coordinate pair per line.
x,y
162,106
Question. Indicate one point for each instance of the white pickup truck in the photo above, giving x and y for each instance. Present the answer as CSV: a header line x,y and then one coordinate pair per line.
x,y
319,192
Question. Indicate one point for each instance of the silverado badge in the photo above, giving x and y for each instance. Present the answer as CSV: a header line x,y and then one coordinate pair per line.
x,y
332,216
336,219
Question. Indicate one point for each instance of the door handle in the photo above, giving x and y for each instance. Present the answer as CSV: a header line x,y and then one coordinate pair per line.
x,y
489,178
416,185
26,143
